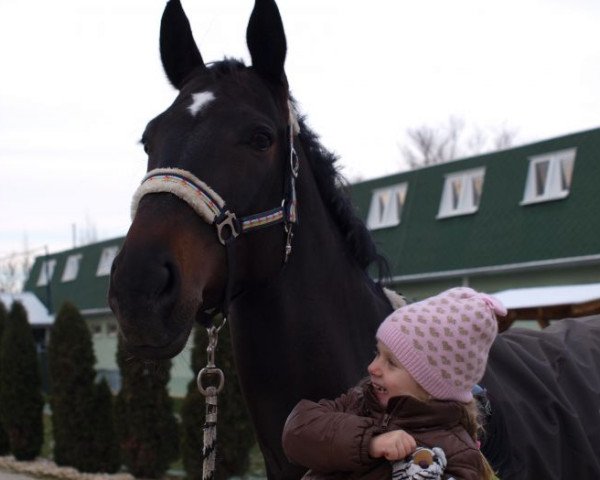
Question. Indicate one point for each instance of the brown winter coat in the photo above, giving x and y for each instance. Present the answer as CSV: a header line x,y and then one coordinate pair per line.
x,y
332,437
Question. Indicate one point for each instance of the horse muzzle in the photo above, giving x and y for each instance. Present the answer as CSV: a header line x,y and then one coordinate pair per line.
x,y
145,294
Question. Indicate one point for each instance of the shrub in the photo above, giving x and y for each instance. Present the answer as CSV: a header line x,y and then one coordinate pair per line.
x,y
4,443
235,435
20,386
76,409
147,429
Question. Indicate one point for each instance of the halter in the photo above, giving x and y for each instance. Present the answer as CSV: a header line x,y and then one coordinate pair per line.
x,y
211,207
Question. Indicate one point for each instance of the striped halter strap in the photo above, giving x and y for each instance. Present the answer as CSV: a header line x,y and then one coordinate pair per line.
x,y
211,207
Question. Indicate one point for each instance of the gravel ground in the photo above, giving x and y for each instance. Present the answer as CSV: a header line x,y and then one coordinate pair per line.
x,y
11,469
42,469
4,475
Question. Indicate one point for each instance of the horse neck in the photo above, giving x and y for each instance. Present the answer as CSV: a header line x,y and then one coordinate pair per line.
x,y
320,313
307,333
321,259
326,269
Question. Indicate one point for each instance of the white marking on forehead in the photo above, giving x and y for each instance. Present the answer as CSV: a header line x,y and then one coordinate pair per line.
x,y
199,101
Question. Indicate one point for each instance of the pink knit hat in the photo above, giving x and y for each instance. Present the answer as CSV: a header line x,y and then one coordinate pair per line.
x,y
444,341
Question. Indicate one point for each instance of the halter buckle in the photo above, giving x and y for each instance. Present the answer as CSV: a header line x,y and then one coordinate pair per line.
x,y
294,162
228,227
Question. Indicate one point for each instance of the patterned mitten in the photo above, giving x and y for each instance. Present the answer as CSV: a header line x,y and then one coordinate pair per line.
x,y
423,464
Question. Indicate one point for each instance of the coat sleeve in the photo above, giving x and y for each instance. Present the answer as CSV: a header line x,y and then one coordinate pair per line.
x,y
465,465
325,437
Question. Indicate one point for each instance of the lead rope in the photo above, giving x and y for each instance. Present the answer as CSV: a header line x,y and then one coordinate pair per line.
x,y
209,450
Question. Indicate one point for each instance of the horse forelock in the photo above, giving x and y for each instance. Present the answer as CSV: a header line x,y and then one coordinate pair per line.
x,y
227,66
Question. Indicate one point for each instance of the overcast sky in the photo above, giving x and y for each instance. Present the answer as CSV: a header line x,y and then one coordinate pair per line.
x,y
80,79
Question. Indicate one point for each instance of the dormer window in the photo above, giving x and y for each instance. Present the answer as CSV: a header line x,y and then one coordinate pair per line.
x,y
549,176
462,193
46,272
106,260
386,207
71,268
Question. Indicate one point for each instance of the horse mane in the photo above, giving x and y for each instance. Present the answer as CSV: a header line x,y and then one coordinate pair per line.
x,y
335,193
332,185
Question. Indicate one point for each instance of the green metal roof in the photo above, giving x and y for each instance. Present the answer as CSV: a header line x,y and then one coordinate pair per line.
x,y
502,231
87,290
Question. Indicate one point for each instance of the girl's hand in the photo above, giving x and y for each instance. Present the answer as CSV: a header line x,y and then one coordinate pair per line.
x,y
394,445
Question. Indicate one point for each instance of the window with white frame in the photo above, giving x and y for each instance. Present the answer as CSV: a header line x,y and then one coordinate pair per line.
x,y
386,206
46,272
96,328
462,193
112,329
549,176
71,268
106,260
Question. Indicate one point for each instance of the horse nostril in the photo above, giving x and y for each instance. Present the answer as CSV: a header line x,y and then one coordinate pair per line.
x,y
146,281
167,288
169,279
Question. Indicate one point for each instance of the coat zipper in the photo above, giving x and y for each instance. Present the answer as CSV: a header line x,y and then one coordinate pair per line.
x,y
387,417
385,421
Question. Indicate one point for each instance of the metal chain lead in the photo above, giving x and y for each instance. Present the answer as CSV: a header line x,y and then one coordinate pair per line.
x,y
210,392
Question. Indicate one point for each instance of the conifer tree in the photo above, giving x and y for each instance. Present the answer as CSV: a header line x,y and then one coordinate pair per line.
x,y
235,435
76,408
146,426
106,446
4,443
20,386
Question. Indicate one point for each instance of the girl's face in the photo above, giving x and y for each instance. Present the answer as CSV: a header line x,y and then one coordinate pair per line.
x,y
390,379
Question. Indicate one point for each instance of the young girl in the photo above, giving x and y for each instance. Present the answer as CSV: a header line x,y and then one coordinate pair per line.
x,y
429,356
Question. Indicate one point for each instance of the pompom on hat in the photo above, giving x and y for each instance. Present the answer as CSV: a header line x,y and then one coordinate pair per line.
x,y
444,341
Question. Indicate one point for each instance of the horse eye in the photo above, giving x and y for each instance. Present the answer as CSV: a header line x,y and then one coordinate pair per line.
x,y
261,141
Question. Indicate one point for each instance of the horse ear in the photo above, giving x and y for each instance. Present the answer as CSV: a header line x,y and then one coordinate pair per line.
x,y
266,41
178,51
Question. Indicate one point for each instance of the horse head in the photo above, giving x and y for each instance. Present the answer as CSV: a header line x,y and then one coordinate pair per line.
x,y
218,166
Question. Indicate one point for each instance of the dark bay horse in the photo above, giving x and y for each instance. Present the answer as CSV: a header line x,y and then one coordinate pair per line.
x,y
242,210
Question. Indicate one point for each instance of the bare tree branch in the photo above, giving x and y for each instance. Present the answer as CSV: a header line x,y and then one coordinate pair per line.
x,y
14,270
427,145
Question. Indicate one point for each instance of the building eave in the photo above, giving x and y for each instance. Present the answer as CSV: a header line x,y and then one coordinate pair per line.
x,y
580,261
96,311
